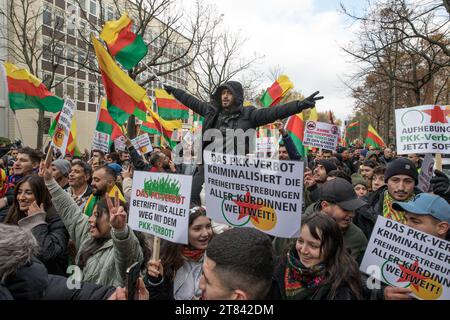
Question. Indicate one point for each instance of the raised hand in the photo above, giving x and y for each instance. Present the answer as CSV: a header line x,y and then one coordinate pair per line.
x,y
440,183
45,167
128,173
34,208
155,268
117,214
310,102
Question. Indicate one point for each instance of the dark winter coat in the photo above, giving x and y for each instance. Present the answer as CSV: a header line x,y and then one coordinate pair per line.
x,y
237,116
53,239
366,217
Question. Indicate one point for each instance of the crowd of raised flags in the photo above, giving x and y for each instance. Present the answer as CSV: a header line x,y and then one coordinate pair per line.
x,y
124,98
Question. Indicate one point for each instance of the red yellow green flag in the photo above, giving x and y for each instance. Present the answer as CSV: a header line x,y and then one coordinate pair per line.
x,y
123,95
373,138
106,124
25,91
296,129
277,91
168,107
127,47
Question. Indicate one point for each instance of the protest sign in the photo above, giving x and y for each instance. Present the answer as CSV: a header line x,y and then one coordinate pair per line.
x,y
265,144
101,141
119,144
423,129
321,135
62,131
159,205
426,173
254,192
142,144
409,258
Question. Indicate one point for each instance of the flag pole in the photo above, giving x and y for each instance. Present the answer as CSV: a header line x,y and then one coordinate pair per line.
x,y
153,73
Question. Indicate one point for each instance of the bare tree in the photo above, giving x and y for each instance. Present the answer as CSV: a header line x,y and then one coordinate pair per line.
x,y
220,60
23,38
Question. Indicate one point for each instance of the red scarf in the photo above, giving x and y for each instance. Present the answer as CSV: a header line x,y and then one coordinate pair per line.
x,y
192,254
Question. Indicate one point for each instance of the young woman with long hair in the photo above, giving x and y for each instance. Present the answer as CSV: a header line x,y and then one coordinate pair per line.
x,y
177,274
317,266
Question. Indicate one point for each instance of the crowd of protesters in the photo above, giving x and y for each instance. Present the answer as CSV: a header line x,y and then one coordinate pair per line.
x,y
64,222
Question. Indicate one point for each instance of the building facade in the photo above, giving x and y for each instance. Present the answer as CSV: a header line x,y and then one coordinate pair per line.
x,y
67,60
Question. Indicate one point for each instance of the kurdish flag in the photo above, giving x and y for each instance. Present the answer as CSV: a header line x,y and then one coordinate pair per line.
x,y
106,124
168,107
296,129
277,91
25,91
353,126
124,96
373,138
149,126
166,128
127,47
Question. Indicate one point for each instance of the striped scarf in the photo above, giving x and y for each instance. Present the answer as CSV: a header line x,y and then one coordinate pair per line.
x,y
297,277
389,212
92,201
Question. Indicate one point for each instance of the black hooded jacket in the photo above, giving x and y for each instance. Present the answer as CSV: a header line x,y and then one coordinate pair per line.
x,y
237,116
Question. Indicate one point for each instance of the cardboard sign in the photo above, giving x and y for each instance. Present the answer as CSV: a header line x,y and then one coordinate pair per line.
x,y
265,144
119,144
426,173
159,205
409,258
101,141
142,144
423,129
321,135
62,130
254,192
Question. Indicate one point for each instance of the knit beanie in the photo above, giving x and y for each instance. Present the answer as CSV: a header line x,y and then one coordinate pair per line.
x,y
401,166
358,179
62,165
328,165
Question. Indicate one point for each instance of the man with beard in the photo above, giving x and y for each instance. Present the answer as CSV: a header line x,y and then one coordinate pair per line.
x,y
401,179
79,178
103,182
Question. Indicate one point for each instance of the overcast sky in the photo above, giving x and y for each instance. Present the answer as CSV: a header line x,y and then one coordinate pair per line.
x,y
303,37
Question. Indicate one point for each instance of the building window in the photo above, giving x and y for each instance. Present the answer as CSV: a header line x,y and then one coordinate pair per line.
x,y
59,89
47,52
59,20
80,90
93,7
92,93
70,88
47,16
81,56
70,57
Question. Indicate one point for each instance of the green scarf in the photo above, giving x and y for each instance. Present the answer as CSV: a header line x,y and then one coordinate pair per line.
x,y
389,212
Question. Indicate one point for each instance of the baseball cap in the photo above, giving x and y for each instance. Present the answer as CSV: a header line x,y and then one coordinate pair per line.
x,y
340,192
426,203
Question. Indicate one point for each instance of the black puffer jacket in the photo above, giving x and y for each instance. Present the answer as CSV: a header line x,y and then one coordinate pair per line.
x,y
32,282
237,116
53,239
366,217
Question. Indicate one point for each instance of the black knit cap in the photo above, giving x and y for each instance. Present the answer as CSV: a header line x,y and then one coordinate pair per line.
x,y
327,164
401,166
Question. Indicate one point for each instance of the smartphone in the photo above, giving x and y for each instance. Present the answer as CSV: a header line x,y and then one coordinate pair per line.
x,y
133,273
